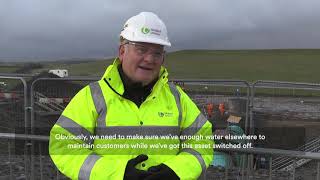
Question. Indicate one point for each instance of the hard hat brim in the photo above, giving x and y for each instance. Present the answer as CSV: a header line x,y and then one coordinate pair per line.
x,y
148,40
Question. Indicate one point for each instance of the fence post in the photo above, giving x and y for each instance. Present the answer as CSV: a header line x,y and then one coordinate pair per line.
x,y
270,168
318,170
294,168
9,159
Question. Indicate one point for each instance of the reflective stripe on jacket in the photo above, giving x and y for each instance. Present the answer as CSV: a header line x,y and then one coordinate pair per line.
x,y
99,109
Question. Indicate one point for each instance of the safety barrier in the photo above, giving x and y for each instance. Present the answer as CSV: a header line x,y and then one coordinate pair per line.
x,y
290,113
269,173
46,169
226,97
49,97
225,103
264,100
14,116
244,173
13,103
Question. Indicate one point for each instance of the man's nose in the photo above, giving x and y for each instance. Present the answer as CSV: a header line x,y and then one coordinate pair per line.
x,y
149,57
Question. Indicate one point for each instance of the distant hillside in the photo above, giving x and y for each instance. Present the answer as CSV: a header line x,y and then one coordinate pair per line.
x,y
301,65
250,65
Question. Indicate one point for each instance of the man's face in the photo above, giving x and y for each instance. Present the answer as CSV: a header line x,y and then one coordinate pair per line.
x,y
141,62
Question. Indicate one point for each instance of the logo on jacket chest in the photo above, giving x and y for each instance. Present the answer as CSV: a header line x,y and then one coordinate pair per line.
x,y
165,114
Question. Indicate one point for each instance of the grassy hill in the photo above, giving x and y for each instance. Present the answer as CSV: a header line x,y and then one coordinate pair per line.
x,y
283,65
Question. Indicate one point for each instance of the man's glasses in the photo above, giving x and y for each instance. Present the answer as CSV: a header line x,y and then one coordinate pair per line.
x,y
142,50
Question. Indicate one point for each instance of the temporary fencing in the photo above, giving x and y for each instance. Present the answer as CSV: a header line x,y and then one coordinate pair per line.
x,y
265,107
226,97
289,113
243,173
14,119
49,97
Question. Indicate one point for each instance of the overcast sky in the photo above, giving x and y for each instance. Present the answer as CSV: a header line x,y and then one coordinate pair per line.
x,y
58,29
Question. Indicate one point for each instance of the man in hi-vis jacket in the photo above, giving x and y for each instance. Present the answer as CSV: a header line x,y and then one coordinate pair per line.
x,y
133,124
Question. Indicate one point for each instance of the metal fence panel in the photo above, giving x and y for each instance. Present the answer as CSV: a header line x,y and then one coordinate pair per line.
x,y
215,172
283,111
13,118
225,103
49,97
226,97
288,114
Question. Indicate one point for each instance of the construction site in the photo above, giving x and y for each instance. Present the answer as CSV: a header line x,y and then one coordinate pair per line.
x,y
286,114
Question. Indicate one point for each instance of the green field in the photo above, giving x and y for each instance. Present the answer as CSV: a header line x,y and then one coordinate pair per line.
x,y
281,65
7,69
250,65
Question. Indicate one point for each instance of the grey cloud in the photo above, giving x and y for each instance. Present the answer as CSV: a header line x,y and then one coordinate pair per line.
x,y
80,28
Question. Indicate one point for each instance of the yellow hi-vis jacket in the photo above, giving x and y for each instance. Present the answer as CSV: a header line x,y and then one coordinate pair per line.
x,y
99,131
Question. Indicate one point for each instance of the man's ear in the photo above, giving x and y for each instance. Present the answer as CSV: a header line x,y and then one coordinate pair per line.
x,y
163,57
121,52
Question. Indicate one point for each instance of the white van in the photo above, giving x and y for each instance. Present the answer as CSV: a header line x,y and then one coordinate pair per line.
x,y
59,72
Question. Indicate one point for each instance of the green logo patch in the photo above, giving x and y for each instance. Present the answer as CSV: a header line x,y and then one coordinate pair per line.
x,y
161,114
165,114
145,30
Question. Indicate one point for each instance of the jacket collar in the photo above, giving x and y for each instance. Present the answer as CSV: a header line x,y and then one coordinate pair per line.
x,y
113,79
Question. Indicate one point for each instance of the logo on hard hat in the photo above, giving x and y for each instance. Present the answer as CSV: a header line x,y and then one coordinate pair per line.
x,y
145,30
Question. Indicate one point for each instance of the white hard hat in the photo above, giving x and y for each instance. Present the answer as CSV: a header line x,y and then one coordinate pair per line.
x,y
146,27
